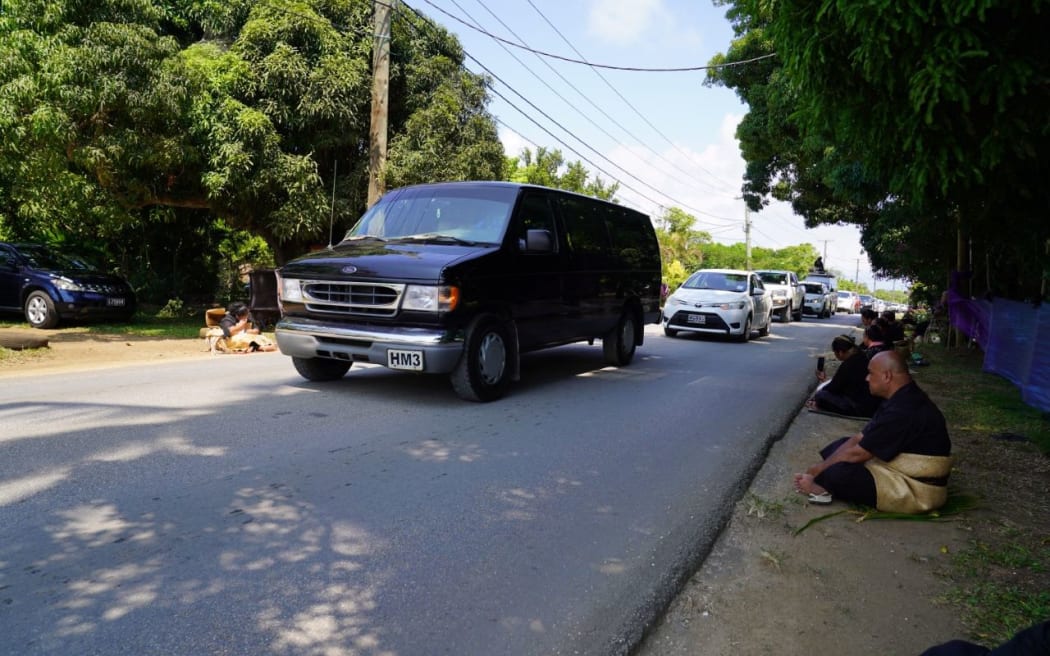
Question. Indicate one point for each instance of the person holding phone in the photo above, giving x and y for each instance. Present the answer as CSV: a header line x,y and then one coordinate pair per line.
x,y
846,393
238,332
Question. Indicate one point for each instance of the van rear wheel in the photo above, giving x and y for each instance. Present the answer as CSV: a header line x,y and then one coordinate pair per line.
x,y
619,344
321,369
483,371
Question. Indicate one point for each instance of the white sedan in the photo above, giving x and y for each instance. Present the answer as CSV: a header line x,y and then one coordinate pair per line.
x,y
719,301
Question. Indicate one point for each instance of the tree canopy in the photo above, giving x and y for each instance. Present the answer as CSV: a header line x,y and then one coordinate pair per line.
x,y
915,123
241,110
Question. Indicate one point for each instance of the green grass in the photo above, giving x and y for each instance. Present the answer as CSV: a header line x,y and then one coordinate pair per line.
x,y
148,323
977,401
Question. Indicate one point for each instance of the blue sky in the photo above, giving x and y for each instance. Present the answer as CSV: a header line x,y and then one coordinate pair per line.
x,y
664,136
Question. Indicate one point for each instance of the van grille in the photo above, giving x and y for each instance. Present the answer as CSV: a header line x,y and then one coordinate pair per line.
x,y
352,298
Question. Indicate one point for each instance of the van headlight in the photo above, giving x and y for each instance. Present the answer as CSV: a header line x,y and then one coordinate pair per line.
x,y
428,298
291,289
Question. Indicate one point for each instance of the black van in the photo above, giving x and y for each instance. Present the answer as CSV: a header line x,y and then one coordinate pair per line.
x,y
461,278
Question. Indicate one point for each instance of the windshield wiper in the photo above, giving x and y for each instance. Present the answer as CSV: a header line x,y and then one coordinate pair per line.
x,y
360,237
441,239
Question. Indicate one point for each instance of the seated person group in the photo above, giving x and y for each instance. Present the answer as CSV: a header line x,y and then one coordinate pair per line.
x,y
901,458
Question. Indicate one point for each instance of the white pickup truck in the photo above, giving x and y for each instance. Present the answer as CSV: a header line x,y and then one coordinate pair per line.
x,y
788,294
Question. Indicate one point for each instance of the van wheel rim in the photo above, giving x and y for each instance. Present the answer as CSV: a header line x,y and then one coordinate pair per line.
x,y
492,358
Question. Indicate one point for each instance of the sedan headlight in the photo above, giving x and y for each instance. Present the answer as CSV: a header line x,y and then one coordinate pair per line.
x,y
736,305
426,298
65,284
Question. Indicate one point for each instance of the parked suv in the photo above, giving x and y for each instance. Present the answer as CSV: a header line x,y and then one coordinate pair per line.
x,y
49,286
787,294
461,278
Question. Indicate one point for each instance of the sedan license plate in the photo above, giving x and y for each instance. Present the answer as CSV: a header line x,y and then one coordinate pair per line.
x,y
410,360
115,302
696,319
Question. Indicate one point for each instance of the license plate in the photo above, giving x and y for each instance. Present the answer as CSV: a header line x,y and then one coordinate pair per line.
x,y
696,318
410,360
115,302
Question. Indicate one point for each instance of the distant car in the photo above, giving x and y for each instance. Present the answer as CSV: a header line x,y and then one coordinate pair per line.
x,y
867,302
786,292
818,300
48,286
722,302
847,302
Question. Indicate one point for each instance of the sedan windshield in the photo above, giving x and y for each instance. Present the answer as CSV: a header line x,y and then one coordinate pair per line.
x,y
444,214
728,282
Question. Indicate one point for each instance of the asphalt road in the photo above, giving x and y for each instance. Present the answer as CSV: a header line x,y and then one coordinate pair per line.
x,y
227,506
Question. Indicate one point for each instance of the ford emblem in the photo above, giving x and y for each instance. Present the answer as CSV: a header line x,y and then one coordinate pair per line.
x,y
349,268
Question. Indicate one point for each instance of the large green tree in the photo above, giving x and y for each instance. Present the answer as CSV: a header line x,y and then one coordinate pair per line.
x,y
550,169
918,123
247,111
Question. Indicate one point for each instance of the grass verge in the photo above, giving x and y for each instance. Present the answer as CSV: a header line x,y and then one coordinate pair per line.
x,y
1001,581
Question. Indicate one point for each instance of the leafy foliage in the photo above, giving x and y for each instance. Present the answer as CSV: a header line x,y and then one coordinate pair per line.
x,y
915,123
122,123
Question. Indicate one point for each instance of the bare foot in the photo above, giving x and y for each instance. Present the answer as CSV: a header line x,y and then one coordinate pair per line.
x,y
805,484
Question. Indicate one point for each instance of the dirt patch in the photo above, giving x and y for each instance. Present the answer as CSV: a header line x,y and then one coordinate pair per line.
x,y
70,349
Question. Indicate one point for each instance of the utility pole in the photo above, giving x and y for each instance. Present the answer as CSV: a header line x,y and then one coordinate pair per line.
x,y
856,275
380,97
747,234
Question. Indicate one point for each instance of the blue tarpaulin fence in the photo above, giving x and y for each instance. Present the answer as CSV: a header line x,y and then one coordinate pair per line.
x,y
1015,338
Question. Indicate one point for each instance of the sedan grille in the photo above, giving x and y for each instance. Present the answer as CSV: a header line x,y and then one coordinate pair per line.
x,y
352,298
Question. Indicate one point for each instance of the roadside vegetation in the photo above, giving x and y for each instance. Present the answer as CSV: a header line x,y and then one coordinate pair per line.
x,y
1001,582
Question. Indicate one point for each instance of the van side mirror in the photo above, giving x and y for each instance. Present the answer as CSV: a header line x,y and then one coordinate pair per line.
x,y
539,241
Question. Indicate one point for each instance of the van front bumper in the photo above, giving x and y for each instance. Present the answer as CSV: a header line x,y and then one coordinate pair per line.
x,y
308,338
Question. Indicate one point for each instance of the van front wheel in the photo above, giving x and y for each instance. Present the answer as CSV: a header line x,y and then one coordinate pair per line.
x,y
320,369
619,344
483,371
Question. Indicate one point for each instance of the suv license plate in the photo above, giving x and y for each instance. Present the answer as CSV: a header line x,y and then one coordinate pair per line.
x,y
410,360
115,302
696,318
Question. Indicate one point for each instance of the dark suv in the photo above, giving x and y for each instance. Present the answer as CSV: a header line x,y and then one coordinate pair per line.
x,y
49,286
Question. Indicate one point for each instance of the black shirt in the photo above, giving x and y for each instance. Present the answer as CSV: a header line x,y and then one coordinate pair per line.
x,y
850,381
907,422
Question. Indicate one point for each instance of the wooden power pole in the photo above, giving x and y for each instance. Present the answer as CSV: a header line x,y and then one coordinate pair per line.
x,y
380,98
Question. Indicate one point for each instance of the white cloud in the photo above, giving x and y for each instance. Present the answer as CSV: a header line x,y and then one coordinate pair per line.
x,y
623,21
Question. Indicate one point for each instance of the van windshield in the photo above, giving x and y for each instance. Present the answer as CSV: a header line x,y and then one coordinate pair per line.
x,y
446,214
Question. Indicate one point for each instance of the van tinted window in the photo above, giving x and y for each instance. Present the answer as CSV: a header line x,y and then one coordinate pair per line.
x,y
630,234
535,214
585,231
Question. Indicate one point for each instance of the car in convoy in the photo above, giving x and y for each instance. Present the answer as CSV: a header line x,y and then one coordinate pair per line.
x,y
48,286
867,302
786,291
720,302
848,302
461,278
818,300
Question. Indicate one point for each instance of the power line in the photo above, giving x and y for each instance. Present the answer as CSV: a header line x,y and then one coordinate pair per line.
x,y
681,69
589,100
560,126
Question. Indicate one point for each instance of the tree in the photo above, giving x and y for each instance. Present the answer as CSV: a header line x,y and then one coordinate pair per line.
x,y
549,168
914,123
241,111
681,245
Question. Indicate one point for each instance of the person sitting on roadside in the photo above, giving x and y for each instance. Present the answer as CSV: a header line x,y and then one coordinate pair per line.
x,y
899,461
238,332
847,392
867,316
893,329
875,341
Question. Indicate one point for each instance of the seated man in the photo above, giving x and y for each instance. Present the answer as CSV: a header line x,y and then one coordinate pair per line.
x,y
899,461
